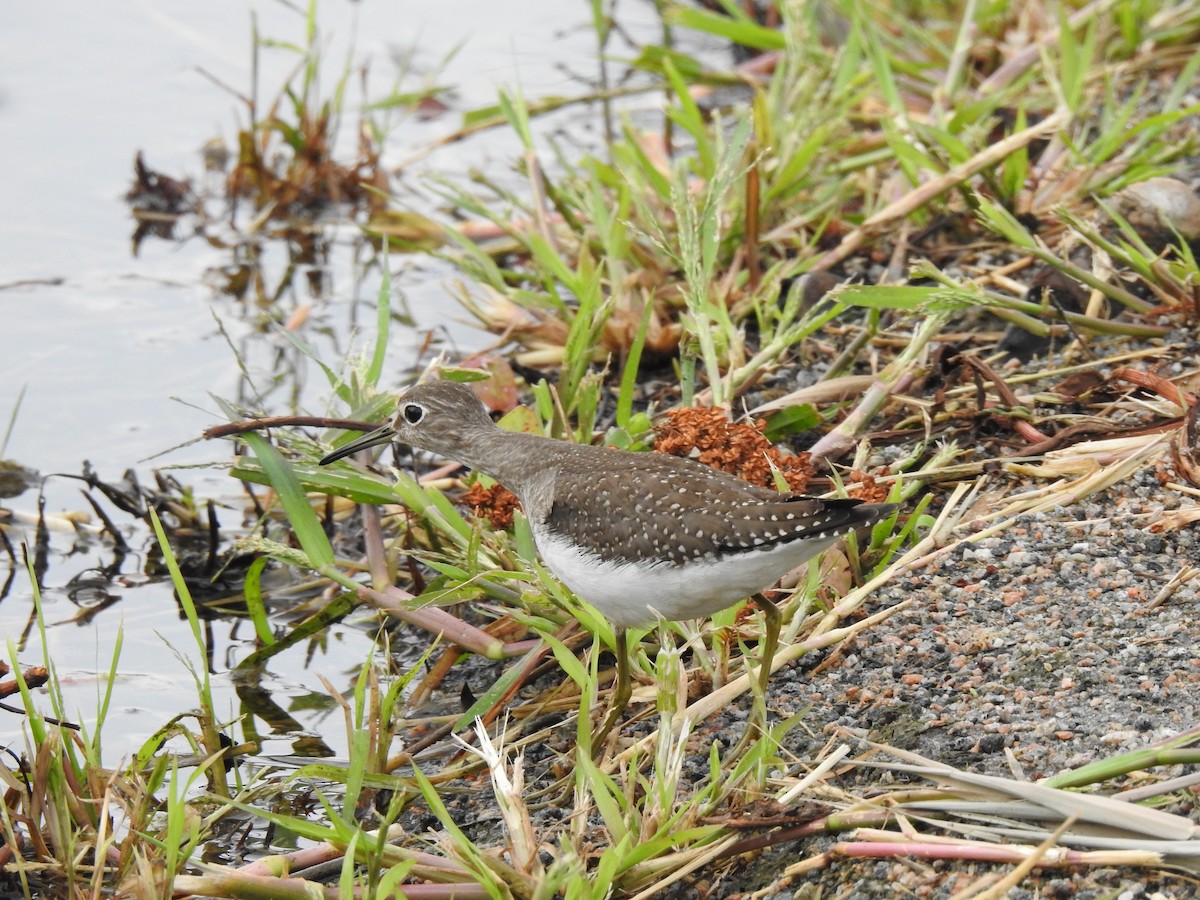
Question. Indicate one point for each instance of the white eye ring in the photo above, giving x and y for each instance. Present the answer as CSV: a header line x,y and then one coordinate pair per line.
x,y
413,413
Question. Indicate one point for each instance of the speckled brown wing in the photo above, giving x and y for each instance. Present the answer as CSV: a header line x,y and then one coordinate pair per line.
x,y
675,510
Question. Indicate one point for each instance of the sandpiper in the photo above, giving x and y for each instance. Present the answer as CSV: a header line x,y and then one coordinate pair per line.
x,y
640,536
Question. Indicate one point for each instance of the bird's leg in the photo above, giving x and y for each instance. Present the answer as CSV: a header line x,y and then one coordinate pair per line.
x,y
774,624
621,695
757,726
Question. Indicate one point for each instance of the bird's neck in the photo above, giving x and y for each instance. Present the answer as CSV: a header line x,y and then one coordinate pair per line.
x,y
511,457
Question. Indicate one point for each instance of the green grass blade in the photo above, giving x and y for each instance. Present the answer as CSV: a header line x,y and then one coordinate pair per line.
x,y
629,376
383,318
252,589
491,696
739,30
304,521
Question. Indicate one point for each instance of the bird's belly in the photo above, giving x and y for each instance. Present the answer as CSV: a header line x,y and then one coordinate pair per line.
x,y
630,594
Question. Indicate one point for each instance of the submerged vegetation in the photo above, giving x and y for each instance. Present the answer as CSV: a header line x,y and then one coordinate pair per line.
x,y
937,254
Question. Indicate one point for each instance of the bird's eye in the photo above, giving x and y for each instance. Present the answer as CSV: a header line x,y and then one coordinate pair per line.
x,y
413,413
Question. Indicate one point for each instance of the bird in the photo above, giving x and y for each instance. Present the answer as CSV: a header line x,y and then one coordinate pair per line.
x,y
641,536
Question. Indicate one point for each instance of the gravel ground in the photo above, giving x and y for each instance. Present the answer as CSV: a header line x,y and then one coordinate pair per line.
x,y
1041,641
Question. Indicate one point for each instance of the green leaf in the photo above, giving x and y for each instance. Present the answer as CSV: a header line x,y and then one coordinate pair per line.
x,y
884,296
792,420
568,661
1002,222
252,588
629,375
463,375
383,316
344,481
741,30
688,116
295,502
491,696
654,59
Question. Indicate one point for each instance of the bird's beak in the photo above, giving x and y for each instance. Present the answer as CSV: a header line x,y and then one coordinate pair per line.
x,y
384,434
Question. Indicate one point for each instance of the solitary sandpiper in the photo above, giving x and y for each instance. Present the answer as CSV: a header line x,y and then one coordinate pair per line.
x,y
640,536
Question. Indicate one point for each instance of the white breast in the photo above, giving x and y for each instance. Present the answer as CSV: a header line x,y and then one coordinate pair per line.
x,y
630,594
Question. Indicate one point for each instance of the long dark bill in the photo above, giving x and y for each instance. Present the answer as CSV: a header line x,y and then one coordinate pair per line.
x,y
381,435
